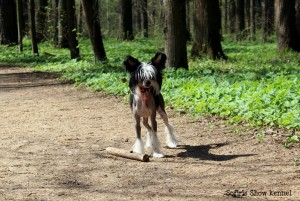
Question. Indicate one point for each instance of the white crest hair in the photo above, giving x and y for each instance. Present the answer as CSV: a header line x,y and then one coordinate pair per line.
x,y
146,72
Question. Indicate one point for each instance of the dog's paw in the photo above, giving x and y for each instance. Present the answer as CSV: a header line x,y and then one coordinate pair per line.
x,y
138,147
171,139
158,155
172,144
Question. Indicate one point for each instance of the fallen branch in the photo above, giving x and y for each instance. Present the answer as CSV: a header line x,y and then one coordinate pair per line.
x,y
127,154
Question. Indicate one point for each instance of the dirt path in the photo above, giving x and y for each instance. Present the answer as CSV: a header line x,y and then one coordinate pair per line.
x,y
53,136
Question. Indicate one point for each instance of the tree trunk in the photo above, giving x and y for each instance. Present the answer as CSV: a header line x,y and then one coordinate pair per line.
x,y
240,19
62,24
200,32
8,22
187,20
252,20
20,22
232,16
267,18
137,15
41,20
72,31
209,21
225,18
144,17
175,33
297,8
287,35
31,7
90,8
247,18
54,20
126,20
79,18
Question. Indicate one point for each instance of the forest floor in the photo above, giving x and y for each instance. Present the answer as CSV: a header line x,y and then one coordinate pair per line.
x,y
53,138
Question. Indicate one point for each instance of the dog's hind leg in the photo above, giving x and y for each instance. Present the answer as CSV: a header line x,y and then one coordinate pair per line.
x,y
171,139
138,146
155,144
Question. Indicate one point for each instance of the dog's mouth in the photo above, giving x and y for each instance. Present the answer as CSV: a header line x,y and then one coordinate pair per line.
x,y
146,92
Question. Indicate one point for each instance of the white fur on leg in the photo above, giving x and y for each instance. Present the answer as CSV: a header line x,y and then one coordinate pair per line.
x,y
156,152
171,139
148,139
138,146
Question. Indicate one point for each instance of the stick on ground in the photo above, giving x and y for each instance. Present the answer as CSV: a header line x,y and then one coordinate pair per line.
x,y
127,154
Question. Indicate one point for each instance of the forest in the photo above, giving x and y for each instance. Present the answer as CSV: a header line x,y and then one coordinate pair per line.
x,y
234,59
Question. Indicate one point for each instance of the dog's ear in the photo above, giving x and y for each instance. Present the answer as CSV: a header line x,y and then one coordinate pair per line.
x,y
131,63
159,60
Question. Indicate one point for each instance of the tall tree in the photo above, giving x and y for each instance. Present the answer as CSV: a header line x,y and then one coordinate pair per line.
x,y
144,18
297,8
287,34
267,18
8,22
225,18
90,8
20,22
41,20
232,16
207,24
240,19
54,20
72,30
126,20
252,20
31,8
175,33
62,24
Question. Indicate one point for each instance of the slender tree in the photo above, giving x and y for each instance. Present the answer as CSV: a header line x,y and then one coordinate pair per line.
x,y
232,16
20,22
287,34
72,30
297,8
267,18
41,20
90,8
225,18
137,15
62,24
175,33
54,20
31,7
240,19
126,20
207,24
252,20
144,18
8,22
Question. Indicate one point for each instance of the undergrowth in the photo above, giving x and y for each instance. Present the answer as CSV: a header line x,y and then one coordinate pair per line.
x,y
255,86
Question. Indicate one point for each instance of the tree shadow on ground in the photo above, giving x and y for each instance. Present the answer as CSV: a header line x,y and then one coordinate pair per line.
x,y
202,152
17,80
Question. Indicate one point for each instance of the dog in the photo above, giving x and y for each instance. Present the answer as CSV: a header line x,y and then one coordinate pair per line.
x,y
146,99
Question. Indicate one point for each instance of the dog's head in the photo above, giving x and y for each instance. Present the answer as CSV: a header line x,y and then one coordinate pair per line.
x,y
146,77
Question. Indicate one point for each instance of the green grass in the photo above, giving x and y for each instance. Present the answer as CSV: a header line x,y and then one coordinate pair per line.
x,y
256,85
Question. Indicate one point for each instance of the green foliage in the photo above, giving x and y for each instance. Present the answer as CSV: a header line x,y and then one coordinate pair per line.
x,y
291,140
256,85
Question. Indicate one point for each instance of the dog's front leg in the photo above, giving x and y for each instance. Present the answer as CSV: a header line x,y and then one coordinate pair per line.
x,y
138,146
149,131
155,144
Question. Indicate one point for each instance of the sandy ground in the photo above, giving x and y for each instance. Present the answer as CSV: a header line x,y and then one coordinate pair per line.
x,y
53,138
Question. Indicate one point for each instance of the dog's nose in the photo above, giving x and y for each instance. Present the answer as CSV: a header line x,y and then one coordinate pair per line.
x,y
147,83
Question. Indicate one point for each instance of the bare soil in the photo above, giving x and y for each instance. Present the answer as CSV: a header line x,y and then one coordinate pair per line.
x,y
53,138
